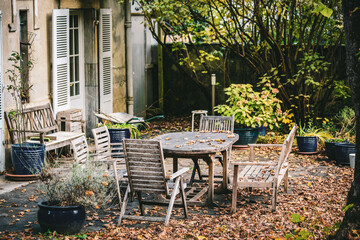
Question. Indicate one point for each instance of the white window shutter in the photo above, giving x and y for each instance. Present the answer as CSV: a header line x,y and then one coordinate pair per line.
x,y
2,135
60,53
105,61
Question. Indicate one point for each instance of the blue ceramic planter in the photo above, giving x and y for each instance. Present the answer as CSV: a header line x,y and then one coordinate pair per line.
x,y
116,136
64,220
28,158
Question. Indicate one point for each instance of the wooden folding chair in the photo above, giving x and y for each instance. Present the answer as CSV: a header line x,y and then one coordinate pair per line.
x,y
212,124
264,174
146,174
81,155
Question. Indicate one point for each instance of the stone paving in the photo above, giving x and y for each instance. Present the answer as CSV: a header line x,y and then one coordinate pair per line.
x,y
18,208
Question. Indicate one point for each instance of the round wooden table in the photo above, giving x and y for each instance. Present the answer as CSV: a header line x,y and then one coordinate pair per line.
x,y
197,145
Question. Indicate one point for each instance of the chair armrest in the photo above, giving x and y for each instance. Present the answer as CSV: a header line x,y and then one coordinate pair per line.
x,y
252,146
265,145
178,173
254,163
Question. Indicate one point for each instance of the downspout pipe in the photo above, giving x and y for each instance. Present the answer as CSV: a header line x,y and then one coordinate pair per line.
x,y
129,71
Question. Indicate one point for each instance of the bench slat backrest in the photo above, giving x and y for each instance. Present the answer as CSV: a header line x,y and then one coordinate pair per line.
x,y
33,119
145,166
285,151
216,124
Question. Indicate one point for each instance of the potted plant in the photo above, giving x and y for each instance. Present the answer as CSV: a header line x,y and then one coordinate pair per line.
x,y
339,147
251,109
70,193
27,158
309,137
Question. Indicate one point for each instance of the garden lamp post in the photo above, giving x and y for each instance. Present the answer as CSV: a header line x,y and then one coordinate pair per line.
x,y
213,82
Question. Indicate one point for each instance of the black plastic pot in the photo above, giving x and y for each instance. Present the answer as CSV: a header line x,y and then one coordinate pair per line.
x,y
64,220
246,135
330,149
342,151
28,158
116,136
307,144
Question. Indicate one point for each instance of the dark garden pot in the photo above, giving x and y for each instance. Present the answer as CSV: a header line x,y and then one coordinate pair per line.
x,y
342,151
246,135
64,220
307,144
28,158
116,136
330,149
262,131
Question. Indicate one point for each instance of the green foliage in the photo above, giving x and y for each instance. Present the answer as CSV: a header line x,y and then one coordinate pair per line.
x,y
297,218
251,108
284,35
347,207
310,130
134,131
18,89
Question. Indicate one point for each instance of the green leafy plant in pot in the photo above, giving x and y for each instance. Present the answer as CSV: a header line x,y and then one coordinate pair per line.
x,y
27,158
251,109
309,137
70,193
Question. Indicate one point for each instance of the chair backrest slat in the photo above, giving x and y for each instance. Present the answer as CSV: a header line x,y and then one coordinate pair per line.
x,y
102,143
286,149
145,165
80,149
216,124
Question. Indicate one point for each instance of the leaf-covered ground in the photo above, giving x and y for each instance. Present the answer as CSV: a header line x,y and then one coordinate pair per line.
x,y
311,209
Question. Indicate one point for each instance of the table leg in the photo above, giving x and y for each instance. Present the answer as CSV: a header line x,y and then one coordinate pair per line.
x,y
211,178
175,164
225,154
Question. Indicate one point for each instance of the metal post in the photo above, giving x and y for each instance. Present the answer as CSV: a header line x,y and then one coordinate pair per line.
x,y
213,82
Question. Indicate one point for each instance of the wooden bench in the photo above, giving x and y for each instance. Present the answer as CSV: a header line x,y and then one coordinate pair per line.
x,y
264,174
39,122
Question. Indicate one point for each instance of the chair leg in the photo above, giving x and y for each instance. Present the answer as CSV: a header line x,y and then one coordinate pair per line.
x,y
140,203
286,181
117,183
234,193
273,199
172,201
123,207
183,197
195,169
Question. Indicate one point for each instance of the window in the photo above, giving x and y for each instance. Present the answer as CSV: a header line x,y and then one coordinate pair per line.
x,y
74,56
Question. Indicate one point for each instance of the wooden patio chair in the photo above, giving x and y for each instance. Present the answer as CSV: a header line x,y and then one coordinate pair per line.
x,y
104,147
264,174
81,155
212,124
146,174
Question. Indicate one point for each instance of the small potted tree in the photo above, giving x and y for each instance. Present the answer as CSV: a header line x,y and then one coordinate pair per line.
x,y
27,158
70,193
251,110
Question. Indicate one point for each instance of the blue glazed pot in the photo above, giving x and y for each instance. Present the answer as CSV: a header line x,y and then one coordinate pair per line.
x,y
342,151
246,135
307,144
64,220
116,136
28,158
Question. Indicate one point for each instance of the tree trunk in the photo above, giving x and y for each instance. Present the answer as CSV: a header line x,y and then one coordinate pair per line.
x,y
351,9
